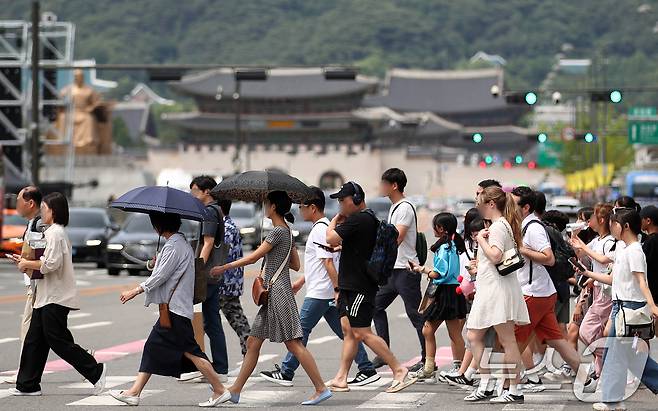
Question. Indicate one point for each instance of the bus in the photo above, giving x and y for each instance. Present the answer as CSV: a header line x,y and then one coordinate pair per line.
x,y
642,185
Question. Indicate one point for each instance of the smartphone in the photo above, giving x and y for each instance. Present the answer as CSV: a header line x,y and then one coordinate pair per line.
x,y
582,280
13,257
324,247
577,265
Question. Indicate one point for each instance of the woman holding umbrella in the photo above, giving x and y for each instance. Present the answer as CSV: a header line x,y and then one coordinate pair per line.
x,y
170,348
278,319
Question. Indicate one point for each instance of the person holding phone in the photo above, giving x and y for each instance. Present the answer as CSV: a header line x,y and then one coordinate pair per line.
x,y
321,279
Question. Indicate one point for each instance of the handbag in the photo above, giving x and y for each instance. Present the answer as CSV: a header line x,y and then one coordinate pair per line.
x,y
163,308
512,258
259,292
634,322
428,297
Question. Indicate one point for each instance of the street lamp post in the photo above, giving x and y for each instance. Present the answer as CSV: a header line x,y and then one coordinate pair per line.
x,y
253,74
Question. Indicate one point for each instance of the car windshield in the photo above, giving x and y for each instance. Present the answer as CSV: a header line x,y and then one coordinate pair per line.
x,y
14,219
139,223
87,219
242,212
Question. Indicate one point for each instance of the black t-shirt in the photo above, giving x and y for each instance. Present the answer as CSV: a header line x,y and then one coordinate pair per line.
x,y
650,248
358,232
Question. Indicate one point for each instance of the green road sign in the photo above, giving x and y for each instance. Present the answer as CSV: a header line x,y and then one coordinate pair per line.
x,y
548,154
642,112
643,132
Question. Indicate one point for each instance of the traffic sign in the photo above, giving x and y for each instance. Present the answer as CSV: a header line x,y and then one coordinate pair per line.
x,y
642,112
643,132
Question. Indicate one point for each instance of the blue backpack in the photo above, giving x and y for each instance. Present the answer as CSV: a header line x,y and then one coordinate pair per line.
x,y
382,261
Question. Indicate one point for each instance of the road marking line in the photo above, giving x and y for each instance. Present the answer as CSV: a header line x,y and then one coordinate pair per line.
x,y
4,393
87,292
404,400
262,358
322,340
106,399
528,407
82,283
90,325
263,399
110,382
79,315
6,340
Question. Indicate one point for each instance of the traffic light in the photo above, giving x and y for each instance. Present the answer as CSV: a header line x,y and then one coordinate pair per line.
x,y
542,137
518,159
589,137
528,97
507,164
477,138
532,165
488,159
609,96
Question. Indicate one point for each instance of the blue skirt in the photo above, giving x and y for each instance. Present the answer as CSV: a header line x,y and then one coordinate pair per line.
x,y
165,348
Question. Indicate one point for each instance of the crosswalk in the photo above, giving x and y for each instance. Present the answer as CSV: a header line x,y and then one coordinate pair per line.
x,y
259,393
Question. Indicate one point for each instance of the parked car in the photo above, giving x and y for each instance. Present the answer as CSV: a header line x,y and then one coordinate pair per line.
x,y
136,242
380,205
247,218
565,204
89,230
13,227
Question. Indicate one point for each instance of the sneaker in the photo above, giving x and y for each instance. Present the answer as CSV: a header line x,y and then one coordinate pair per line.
x,y
564,374
99,387
15,392
126,399
529,385
477,395
277,377
377,362
418,366
458,380
441,376
189,376
507,397
425,377
609,406
590,384
364,377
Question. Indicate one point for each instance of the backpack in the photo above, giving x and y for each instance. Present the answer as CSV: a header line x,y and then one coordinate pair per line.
x,y
379,266
421,240
561,270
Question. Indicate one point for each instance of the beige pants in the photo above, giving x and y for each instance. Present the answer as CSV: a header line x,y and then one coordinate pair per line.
x,y
27,316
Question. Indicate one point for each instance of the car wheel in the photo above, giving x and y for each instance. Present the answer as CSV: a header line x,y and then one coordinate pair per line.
x,y
134,272
101,264
113,271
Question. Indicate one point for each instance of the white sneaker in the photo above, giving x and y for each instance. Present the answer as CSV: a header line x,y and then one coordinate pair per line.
x,y
609,406
99,387
126,399
15,392
188,376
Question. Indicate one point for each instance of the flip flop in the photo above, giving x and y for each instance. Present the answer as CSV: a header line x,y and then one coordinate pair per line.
x,y
397,386
334,388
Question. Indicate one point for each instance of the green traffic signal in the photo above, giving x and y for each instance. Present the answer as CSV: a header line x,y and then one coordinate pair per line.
x,y
488,159
530,98
477,138
589,137
518,159
615,96
542,137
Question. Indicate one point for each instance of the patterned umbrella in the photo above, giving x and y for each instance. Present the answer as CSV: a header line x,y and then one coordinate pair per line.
x,y
161,199
254,186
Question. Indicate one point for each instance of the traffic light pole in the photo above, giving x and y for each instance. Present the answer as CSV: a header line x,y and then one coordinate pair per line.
x,y
34,125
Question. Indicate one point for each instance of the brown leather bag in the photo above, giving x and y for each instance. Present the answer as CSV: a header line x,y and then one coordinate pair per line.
x,y
163,308
259,292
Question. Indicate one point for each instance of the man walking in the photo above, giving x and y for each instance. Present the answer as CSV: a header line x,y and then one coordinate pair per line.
x,y
355,229
403,282
321,279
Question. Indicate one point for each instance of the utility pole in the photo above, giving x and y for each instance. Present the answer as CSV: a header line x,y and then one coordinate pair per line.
x,y
34,125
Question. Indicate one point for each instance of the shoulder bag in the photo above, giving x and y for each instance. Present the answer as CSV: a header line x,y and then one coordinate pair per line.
x,y
512,258
259,292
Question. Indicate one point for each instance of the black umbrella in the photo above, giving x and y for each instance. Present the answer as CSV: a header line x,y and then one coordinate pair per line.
x,y
163,200
254,186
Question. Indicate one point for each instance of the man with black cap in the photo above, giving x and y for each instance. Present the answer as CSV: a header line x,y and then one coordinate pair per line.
x,y
354,228
649,216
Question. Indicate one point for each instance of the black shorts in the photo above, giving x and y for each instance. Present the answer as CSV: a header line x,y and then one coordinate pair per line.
x,y
357,307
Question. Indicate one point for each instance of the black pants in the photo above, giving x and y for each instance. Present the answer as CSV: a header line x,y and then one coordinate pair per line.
x,y
407,285
48,330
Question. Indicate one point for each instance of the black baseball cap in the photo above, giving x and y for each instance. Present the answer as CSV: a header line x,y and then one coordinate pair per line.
x,y
651,212
347,190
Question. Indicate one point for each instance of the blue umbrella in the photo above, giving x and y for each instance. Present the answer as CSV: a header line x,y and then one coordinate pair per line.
x,y
161,199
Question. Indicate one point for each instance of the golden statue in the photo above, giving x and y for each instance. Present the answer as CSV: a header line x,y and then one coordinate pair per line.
x,y
91,125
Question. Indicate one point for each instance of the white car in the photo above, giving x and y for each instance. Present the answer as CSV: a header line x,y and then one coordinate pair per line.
x,y
565,204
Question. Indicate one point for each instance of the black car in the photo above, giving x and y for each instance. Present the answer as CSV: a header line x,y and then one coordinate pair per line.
x,y
247,218
136,242
89,230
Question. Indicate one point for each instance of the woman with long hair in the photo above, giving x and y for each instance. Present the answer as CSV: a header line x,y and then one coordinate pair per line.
x,y
448,305
498,302
278,320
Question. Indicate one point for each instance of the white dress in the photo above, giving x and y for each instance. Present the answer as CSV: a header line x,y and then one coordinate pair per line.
x,y
498,299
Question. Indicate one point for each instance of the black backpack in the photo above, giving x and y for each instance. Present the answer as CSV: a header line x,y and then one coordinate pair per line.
x,y
561,270
382,260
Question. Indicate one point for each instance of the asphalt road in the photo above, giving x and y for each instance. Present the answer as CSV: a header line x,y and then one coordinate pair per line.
x,y
117,331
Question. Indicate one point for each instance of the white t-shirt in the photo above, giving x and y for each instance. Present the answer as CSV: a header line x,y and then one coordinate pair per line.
x,y
536,239
318,283
404,215
624,285
605,246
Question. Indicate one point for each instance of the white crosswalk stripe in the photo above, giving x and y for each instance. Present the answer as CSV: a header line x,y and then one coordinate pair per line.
x,y
111,382
105,399
90,325
322,340
404,400
6,340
